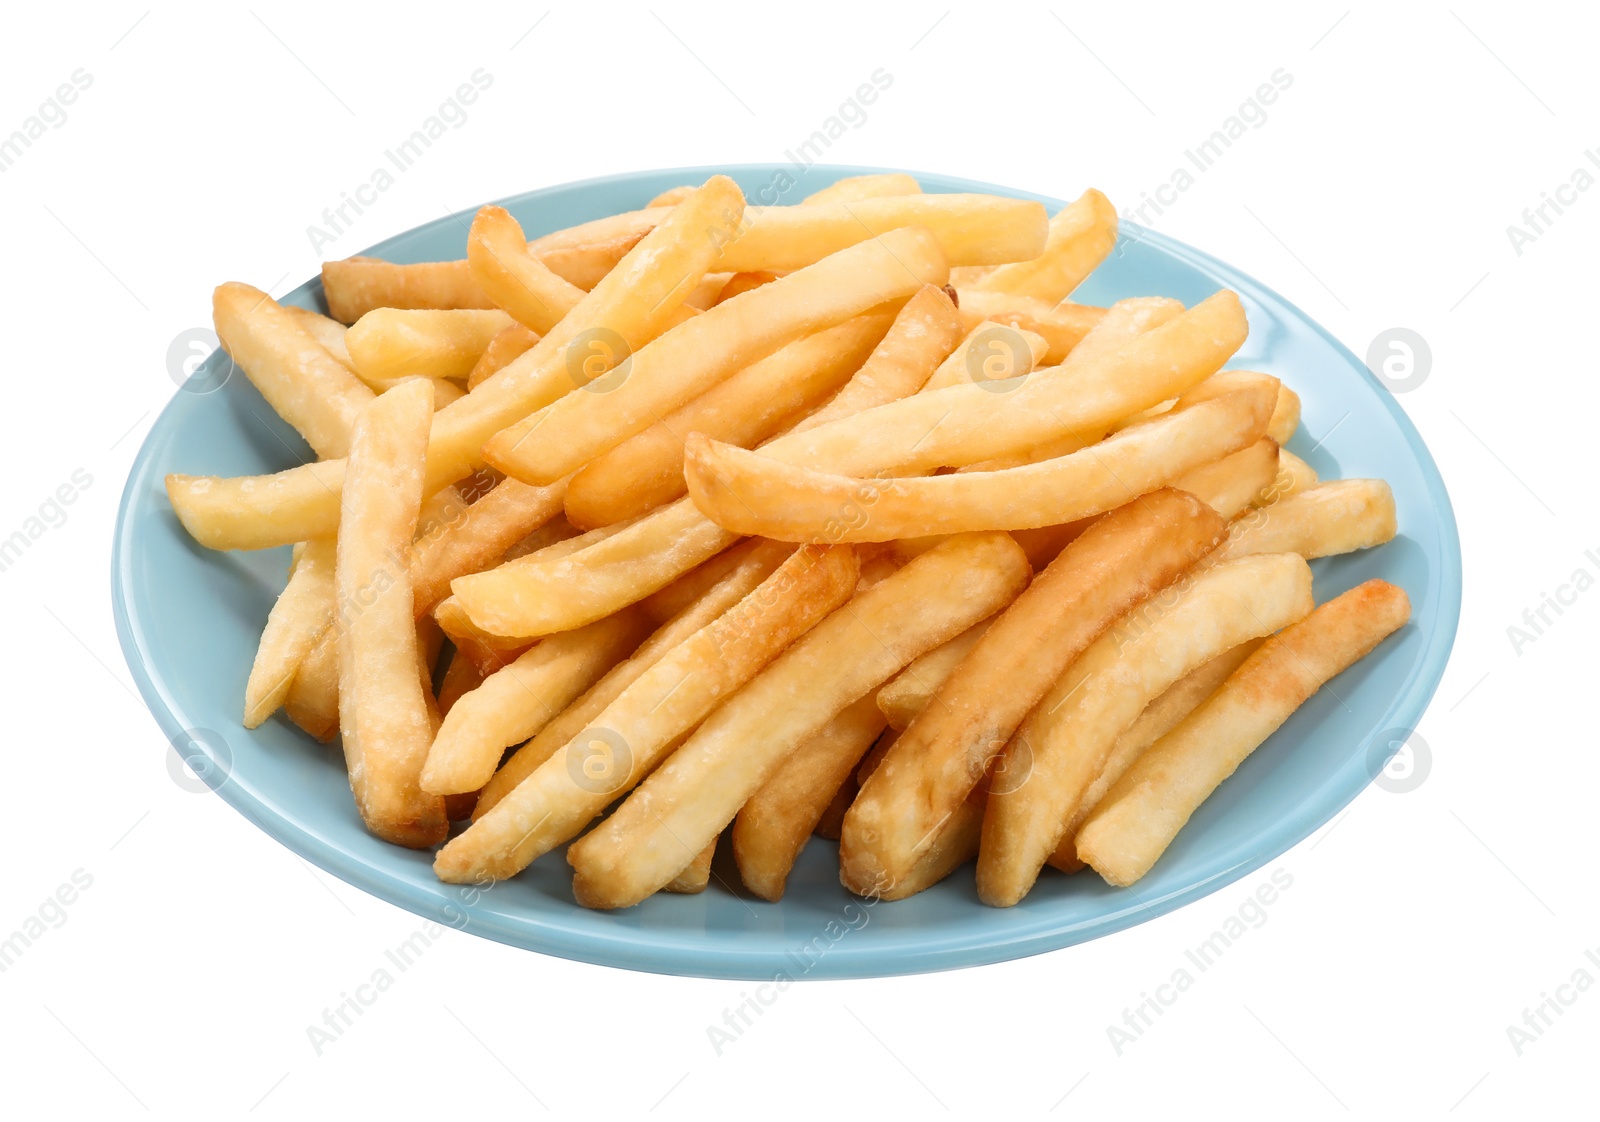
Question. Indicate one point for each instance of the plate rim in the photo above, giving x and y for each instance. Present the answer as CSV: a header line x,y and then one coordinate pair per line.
x,y
915,950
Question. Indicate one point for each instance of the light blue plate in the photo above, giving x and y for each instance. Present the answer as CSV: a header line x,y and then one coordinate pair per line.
x,y
189,620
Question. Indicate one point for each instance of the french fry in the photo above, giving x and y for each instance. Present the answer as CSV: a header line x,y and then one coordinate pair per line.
x,y
699,789
307,386
1230,484
1286,416
833,815
514,342
631,302
672,196
1144,810
1081,236
991,352
908,692
754,565
741,283
586,253
325,330
1064,744
509,274
855,187
388,345
1340,516
313,698
383,717
708,292
481,535
748,493
513,704
303,612
668,543
646,470
772,828
969,229
696,875
1119,562
632,734
1062,326
460,678
697,354
692,586
1160,717
1294,475
357,285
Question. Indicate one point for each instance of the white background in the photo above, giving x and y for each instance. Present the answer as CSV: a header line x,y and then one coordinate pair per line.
x,y
1419,926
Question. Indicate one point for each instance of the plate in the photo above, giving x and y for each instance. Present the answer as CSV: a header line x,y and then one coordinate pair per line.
x,y
189,619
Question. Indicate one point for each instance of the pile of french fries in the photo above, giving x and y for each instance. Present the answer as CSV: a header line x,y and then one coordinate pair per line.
x,y
832,519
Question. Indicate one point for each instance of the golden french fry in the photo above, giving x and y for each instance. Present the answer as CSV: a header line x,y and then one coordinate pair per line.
x,y
1081,236
697,354
833,814
1120,561
665,545
630,303
388,345
480,536
1286,417
991,352
1065,742
773,827
586,253
741,283
1340,516
708,292
755,564
514,703
1062,326
383,717
632,734
908,692
303,612
969,229
672,196
313,698
854,187
1230,484
1144,810
307,386
646,470
1294,475
357,285
748,493
329,332
514,342
460,678
699,789
1160,717
508,273
696,875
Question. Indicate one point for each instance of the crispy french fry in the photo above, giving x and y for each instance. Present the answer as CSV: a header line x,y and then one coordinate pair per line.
x,y
697,354
708,292
699,789
970,230
631,302
307,386
1064,744
1144,810
1294,475
672,196
696,875
833,815
1286,416
1081,236
383,718
754,565
512,343
357,285
586,253
670,542
329,332
908,692
303,612
991,352
646,470
933,766
481,535
1340,516
748,493
313,698
1062,326
1230,484
388,345
1160,717
513,704
855,187
773,827
508,273
741,283
632,734
460,678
